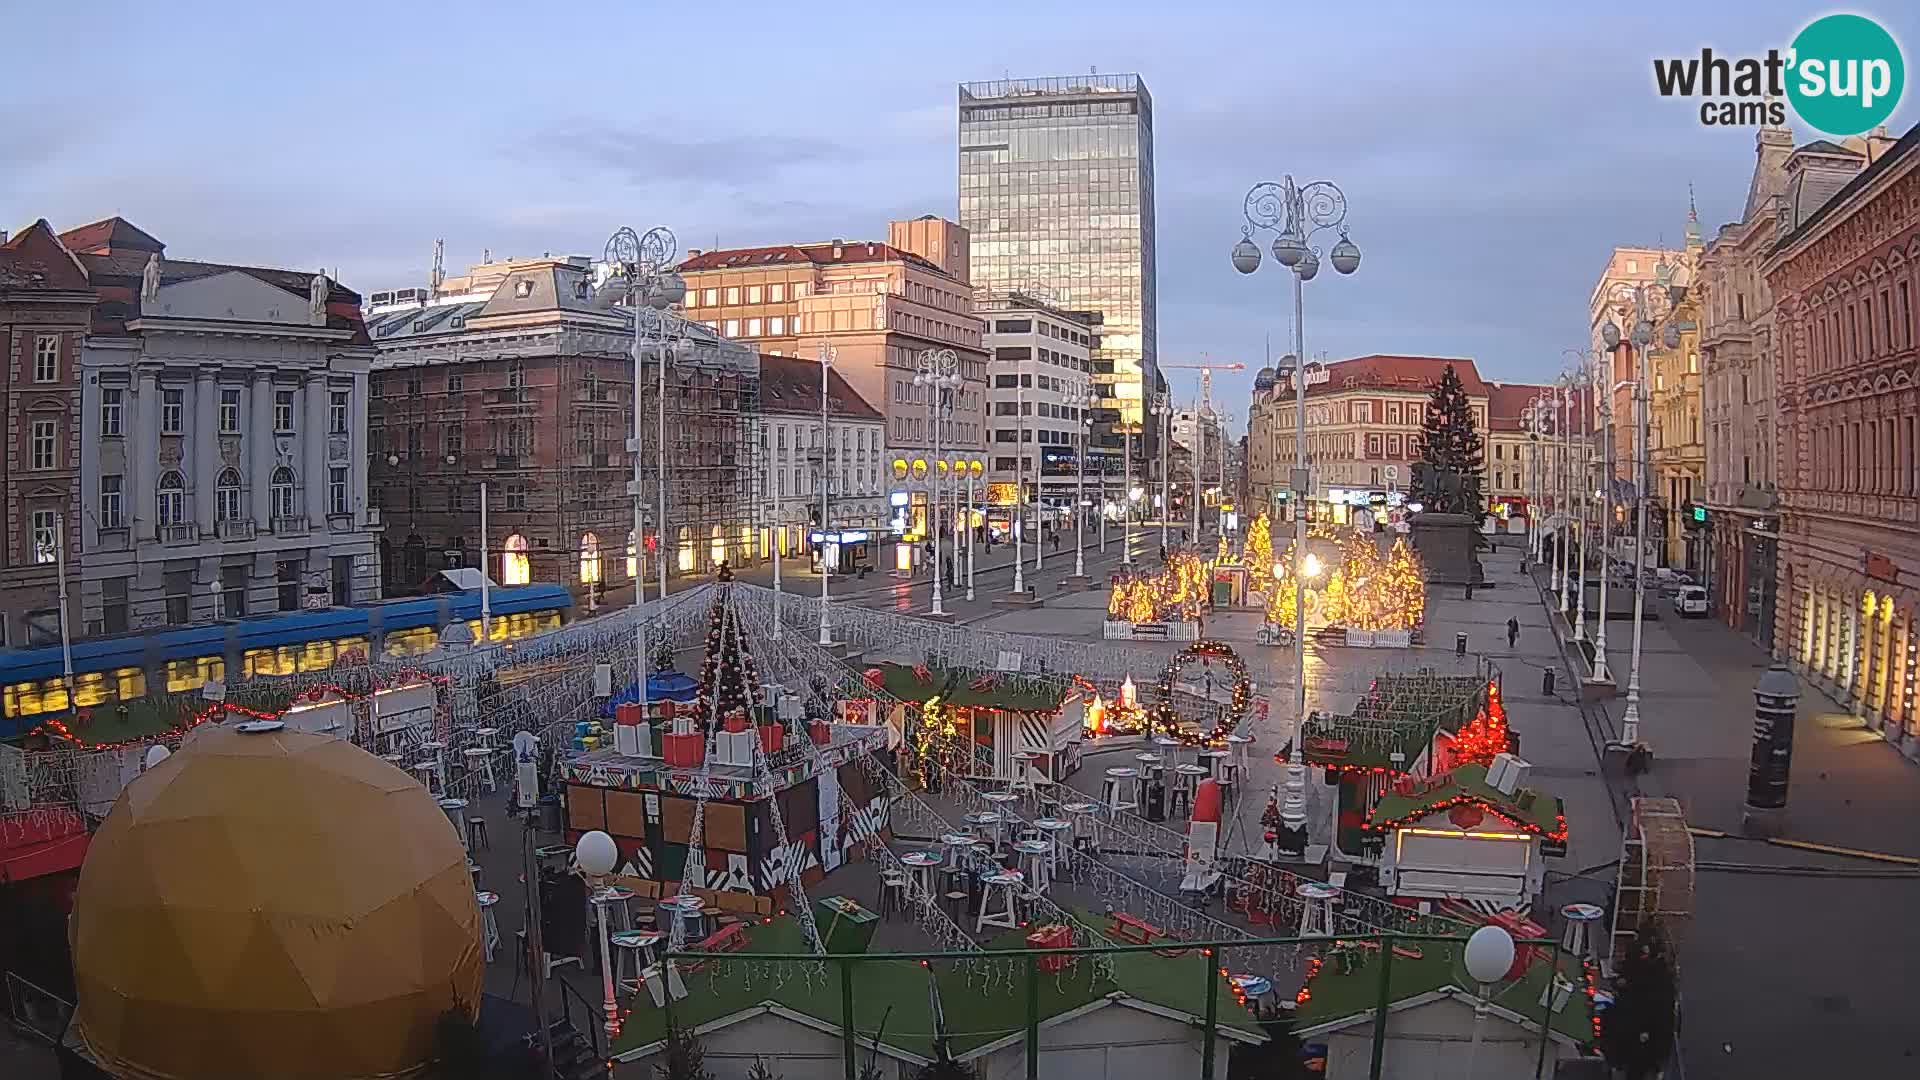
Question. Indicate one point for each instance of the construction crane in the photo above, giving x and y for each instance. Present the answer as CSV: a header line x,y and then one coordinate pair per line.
x,y
1206,369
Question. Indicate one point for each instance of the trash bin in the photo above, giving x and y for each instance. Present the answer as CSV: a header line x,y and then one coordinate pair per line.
x,y
1546,682
550,813
1460,643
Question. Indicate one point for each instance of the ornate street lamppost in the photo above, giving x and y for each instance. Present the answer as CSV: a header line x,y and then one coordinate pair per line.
x,y
940,374
1161,407
1297,214
1080,396
1641,337
1593,376
642,266
827,354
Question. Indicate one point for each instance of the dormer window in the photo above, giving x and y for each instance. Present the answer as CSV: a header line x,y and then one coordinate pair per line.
x,y
523,288
581,290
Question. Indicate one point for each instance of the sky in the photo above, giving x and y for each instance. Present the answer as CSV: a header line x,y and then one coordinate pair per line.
x,y
1491,153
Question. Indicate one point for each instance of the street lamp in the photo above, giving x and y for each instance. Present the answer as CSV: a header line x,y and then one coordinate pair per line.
x,y
1591,371
1129,494
827,355
1578,484
1080,398
641,265
595,853
1162,408
1489,957
1639,339
1296,214
940,374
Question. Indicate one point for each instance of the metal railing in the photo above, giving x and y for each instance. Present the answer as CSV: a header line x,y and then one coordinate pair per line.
x,y
1209,960
37,1011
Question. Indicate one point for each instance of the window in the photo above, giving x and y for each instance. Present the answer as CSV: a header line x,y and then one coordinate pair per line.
x,y
514,566
693,298
229,412
456,382
45,529
111,401
413,385
172,411
172,507
282,410
733,294
590,565
800,289
710,297
43,443
233,592
753,294
453,440
280,493
337,490
516,375
226,496
286,576
753,327
337,404
516,498
341,567
46,358
733,328
111,508
777,292
1693,363
178,586
776,326
113,605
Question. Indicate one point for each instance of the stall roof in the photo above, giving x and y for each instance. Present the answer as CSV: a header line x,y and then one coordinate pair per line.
x,y
956,686
1469,782
1338,994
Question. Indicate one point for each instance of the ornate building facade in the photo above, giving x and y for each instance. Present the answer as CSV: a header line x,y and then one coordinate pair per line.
x,y
1844,280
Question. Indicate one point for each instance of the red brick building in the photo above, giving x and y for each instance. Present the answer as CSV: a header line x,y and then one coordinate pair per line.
x,y
1845,280
45,305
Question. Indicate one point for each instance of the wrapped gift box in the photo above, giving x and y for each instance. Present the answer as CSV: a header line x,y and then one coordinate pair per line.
x,y
734,721
734,748
821,731
773,737
1051,936
683,751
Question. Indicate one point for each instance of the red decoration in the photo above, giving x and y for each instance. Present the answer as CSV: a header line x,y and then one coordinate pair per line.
x,y
734,722
821,732
772,737
922,674
1467,815
627,714
984,683
875,678
1486,735
666,710
1051,936
683,751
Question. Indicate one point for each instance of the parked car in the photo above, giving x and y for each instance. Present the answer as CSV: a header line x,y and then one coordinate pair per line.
x,y
1690,601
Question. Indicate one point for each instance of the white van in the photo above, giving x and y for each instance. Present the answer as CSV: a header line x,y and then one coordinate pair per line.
x,y
1690,601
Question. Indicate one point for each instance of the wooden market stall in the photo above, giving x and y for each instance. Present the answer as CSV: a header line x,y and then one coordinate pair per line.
x,y
993,716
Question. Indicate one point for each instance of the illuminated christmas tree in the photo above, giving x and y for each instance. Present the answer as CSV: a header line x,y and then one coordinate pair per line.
x,y
1486,735
727,676
1259,549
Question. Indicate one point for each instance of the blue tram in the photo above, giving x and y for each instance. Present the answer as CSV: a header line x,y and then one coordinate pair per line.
x,y
126,666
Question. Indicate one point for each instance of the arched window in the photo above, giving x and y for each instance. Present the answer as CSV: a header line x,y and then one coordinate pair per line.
x,y
280,493
173,497
226,495
514,568
589,559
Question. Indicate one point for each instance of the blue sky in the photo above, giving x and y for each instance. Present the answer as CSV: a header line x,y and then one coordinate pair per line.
x,y
1490,159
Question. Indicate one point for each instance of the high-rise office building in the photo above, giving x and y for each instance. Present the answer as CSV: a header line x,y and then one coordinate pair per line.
x,y
1056,187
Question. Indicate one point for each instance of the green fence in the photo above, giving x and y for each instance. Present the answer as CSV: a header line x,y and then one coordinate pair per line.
x,y
885,997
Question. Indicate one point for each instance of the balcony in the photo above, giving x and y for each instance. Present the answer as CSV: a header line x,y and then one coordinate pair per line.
x,y
236,529
512,397
179,534
296,525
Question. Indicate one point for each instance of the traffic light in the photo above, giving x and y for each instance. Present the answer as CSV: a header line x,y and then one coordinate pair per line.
x,y
1699,514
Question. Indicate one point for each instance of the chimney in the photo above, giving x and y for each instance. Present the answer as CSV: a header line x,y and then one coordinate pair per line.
x,y
3,236
839,247
693,253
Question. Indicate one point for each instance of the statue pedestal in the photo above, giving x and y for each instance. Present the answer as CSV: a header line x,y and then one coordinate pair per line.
x,y
1446,543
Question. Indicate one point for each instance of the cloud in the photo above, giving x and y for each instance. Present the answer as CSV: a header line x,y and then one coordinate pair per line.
x,y
649,157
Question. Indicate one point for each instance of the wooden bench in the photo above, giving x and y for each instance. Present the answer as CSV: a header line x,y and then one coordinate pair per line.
x,y
1134,931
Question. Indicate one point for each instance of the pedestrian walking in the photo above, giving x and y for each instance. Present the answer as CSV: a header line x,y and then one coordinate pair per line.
x,y
1513,632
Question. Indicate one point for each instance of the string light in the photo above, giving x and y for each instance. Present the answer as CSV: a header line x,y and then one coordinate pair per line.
x,y
1206,652
1177,592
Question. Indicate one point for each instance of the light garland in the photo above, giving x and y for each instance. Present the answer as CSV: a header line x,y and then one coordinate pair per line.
x,y
1557,834
1206,652
1364,592
1177,592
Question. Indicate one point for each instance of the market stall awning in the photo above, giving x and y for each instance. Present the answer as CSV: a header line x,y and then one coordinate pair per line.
x,y
42,843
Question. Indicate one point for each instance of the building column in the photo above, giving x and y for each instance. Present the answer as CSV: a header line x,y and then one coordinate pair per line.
x,y
357,452
313,464
204,439
261,456
143,467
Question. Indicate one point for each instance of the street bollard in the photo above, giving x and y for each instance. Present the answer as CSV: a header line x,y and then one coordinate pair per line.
x,y
1774,698
1546,682
1460,643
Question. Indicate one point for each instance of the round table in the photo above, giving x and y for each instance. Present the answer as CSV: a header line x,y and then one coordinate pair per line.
x,y
1150,762
1214,757
684,910
489,928
456,811
1314,890
955,845
1001,797
630,942
485,734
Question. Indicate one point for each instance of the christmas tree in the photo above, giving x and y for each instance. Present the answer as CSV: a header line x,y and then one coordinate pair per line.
x,y
1259,549
1485,735
728,681
1447,478
1637,1032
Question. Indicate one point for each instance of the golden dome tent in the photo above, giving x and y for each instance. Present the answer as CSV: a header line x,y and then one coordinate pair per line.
x,y
272,903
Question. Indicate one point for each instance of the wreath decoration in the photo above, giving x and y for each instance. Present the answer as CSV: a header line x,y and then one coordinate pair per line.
x,y
1207,652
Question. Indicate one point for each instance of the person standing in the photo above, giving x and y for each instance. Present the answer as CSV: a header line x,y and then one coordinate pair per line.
x,y
1513,632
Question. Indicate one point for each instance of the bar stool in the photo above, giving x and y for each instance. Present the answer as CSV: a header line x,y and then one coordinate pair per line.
x,y
1085,817
1151,766
1003,803
1228,774
983,824
1004,887
489,927
635,948
1035,862
1186,778
1316,913
1577,939
680,916
436,750
955,903
920,866
1237,744
1169,747
477,836
1122,789
456,811
427,771
1049,830
955,846
1212,758
1027,772
480,759
893,892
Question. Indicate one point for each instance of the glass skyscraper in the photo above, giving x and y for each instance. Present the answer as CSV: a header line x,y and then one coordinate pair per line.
x,y
1056,186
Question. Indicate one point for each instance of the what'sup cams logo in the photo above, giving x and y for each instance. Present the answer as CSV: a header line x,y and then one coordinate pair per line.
x,y
1843,75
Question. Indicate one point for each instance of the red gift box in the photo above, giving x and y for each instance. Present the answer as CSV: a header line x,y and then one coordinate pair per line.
x,y
1053,936
821,731
683,751
772,737
627,714
734,722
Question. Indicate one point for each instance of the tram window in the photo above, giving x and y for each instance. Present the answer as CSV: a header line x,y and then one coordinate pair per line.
x,y
270,662
89,688
185,675
411,642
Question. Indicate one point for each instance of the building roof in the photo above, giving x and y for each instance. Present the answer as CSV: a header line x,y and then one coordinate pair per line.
x,y
118,275
1868,175
1395,372
791,384
110,235
1507,403
831,253
35,259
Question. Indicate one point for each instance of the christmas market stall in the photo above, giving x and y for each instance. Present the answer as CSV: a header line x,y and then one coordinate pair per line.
x,y
739,782
987,725
1473,833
